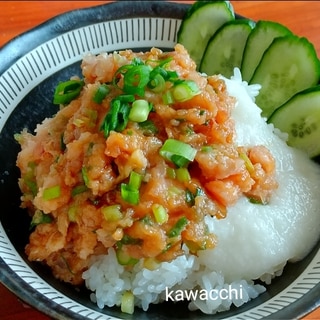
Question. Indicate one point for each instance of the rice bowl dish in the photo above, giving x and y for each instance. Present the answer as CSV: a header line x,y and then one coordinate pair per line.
x,y
252,241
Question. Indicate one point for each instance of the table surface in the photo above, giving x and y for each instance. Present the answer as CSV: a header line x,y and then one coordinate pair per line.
x,y
301,17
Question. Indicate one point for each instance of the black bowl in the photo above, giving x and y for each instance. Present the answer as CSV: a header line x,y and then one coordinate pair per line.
x,y
31,66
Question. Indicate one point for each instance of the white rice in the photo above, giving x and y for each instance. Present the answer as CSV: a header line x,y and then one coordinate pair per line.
x,y
254,241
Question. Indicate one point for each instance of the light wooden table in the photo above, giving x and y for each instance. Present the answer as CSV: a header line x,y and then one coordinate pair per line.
x,y
16,17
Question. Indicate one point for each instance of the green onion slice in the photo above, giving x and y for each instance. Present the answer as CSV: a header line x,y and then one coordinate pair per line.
x,y
51,193
127,302
122,117
160,213
101,93
129,194
135,180
177,152
39,218
126,97
136,79
78,190
137,62
130,191
121,71
117,118
148,127
124,259
84,173
157,83
183,175
112,212
66,91
185,91
167,98
178,227
32,185
139,111
249,165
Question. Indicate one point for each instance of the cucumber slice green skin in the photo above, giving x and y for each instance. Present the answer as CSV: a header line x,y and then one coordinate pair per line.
x,y
201,21
258,41
300,118
288,66
225,49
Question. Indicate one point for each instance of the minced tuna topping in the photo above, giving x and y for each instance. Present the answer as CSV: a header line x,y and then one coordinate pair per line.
x,y
140,151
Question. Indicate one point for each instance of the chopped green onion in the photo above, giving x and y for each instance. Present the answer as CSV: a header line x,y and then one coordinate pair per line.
x,y
160,213
121,71
78,122
63,146
126,97
18,137
136,79
51,193
32,185
148,127
66,91
129,194
92,115
117,118
165,61
158,70
178,152
199,192
162,62
183,174
29,178
101,93
122,117
78,190
124,259
39,218
157,83
112,213
150,263
247,162
72,213
171,76
174,191
137,62
130,191
179,161
171,173
256,201
178,227
147,220
84,172
167,98
135,180
126,239
190,198
206,149
185,91
127,302
90,148
139,111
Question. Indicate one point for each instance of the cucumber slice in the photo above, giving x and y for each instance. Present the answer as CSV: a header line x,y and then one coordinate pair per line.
x,y
288,66
201,21
258,41
300,118
225,49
